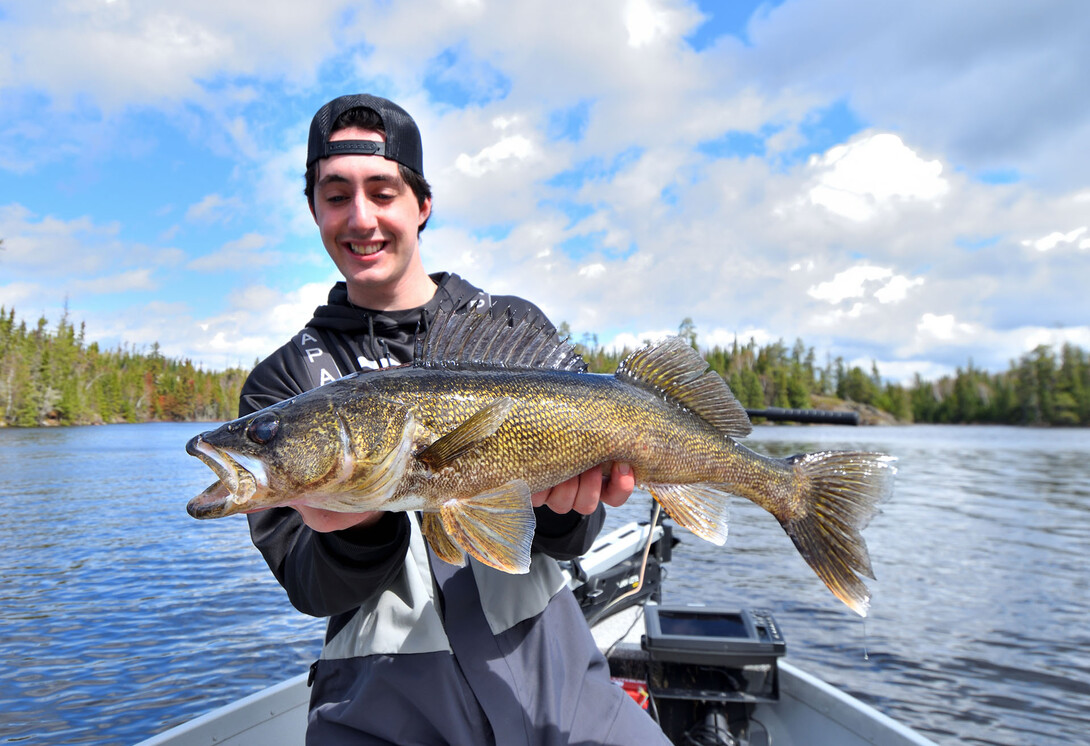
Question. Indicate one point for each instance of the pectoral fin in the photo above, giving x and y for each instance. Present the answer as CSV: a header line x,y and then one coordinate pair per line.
x,y
441,543
466,436
701,508
495,527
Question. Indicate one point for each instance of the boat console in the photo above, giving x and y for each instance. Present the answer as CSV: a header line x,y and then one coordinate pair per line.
x,y
699,671
707,668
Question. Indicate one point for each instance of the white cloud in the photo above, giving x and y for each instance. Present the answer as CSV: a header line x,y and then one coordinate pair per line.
x,y
635,340
1054,239
246,252
644,22
31,241
213,208
858,179
990,86
15,293
851,283
945,328
854,282
508,151
148,53
258,321
897,288
133,280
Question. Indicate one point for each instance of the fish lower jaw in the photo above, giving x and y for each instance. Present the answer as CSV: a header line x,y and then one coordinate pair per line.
x,y
218,501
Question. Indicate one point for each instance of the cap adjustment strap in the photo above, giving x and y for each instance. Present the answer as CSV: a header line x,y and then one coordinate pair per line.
x,y
355,147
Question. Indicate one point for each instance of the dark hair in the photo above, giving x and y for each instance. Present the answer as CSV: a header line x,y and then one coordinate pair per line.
x,y
370,120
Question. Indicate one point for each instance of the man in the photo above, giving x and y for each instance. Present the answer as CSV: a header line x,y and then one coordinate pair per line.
x,y
417,650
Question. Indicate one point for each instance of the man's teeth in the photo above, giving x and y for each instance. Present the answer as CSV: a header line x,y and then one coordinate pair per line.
x,y
364,249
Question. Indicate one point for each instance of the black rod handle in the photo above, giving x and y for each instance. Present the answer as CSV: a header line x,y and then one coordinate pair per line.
x,y
813,416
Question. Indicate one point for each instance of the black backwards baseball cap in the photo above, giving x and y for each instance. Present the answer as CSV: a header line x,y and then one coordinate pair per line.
x,y
402,136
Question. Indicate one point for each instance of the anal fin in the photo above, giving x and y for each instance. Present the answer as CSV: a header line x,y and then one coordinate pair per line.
x,y
701,508
495,527
440,542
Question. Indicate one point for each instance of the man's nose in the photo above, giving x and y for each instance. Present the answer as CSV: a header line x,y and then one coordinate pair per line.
x,y
362,214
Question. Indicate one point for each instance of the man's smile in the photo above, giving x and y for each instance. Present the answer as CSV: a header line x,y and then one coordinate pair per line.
x,y
365,249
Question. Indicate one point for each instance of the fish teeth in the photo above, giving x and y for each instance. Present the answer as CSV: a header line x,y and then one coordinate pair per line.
x,y
223,468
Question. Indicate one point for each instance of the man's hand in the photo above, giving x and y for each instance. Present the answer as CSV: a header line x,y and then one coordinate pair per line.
x,y
611,484
324,521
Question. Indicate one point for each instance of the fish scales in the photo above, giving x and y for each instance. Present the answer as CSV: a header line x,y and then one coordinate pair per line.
x,y
467,440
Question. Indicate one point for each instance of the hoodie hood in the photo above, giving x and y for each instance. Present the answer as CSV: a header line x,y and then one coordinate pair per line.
x,y
393,331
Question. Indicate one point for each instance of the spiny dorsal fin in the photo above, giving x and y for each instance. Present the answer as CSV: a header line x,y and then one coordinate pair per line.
x,y
494,340
675,370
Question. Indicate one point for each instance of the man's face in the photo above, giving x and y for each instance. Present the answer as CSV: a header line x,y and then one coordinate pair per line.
x,y
368,218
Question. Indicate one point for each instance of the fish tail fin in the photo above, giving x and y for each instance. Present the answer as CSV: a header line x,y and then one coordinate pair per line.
x,y
842,493
495,527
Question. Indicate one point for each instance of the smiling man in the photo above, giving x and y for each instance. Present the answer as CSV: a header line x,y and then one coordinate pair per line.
x,y
417,650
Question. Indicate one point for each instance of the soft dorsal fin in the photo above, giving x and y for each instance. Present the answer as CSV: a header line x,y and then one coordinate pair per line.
x,y
675,370
494,340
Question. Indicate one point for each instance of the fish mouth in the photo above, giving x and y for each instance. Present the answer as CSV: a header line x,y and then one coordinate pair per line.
x,y
240,478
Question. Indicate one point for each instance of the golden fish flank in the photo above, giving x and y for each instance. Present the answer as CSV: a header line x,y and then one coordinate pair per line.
x,y
494,410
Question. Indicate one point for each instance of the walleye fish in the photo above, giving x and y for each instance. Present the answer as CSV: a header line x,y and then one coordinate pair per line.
x,y
495,409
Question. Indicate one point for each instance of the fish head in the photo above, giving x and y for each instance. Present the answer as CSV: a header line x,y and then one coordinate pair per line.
x,y
267,458
308,450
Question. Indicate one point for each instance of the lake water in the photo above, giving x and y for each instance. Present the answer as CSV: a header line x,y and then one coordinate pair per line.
x,y
121,616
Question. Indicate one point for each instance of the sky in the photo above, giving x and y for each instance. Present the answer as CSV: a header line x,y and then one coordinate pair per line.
x,y
898,184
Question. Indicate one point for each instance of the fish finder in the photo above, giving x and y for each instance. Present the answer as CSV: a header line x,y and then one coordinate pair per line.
x,y
707,654
696,634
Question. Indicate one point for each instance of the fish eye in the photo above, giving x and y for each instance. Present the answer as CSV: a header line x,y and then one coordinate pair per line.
x,y
263,429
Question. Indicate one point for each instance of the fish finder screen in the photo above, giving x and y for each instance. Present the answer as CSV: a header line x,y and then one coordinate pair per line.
x,y
684,624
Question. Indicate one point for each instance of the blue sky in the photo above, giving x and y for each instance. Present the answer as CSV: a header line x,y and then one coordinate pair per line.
x,y
905,184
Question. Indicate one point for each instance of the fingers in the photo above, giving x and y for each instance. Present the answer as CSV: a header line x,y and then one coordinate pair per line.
x,y
560,498
589,492
582,493
619,487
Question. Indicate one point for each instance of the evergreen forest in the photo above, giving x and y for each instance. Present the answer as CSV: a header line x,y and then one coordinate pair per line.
x,y
53,376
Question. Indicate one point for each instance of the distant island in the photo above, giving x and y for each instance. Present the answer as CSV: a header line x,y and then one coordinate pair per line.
x,y
54,377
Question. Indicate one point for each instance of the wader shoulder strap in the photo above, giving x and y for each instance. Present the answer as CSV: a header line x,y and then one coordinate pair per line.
x,y
320,364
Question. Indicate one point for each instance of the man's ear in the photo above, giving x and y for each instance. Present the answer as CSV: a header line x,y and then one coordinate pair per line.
x,y
425,212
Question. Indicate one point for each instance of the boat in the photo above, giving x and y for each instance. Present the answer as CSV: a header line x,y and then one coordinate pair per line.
x,y
707,675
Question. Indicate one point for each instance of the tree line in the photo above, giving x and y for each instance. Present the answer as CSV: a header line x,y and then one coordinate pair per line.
x,y
1042,387
53,376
